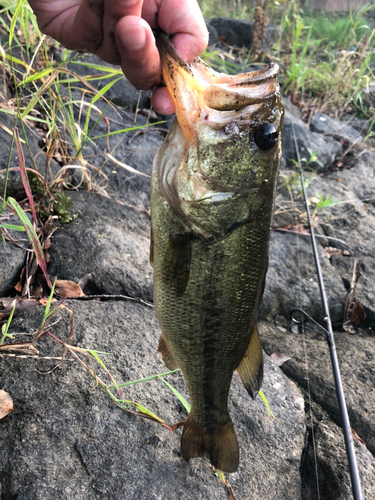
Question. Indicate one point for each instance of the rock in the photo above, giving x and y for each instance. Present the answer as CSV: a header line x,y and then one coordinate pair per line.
x,y
360,179
346,224
328,458
85,447
325,147
356,361
349,219
239,32
364,127
12,257
324,124
213,37
108,240
291,108
291,277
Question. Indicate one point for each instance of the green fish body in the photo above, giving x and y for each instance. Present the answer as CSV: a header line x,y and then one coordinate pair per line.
x,y
212,194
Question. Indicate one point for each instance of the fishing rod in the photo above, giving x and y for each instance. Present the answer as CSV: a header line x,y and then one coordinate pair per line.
x,y
349,444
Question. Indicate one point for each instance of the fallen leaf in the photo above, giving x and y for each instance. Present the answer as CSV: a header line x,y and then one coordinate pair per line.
x,y
332,251
66,288
6,404
357,314
7,304
19,285
87,284
314,199
348,327
47,244
279,359
355,436
44,301
354,313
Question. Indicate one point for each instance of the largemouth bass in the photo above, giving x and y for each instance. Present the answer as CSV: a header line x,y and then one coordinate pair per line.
x,y
212,194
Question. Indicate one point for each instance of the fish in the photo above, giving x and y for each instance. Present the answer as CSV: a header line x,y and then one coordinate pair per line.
x,y
212,195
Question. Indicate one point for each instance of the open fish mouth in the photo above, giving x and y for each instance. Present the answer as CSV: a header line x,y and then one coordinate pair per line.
x,y
202,94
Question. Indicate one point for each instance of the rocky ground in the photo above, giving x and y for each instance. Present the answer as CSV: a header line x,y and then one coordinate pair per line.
x,y
79,444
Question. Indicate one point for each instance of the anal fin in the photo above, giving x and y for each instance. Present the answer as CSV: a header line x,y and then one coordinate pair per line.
x,y
220,446
250,370
166,354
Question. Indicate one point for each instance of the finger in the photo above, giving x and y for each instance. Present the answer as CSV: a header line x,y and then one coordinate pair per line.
x,y
140,59
184,20
162,101
74,23
115,10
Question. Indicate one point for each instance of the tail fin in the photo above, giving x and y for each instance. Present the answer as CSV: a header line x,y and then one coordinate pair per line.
x,y
219,446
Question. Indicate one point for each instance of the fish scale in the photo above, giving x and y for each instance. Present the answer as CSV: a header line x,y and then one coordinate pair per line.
x,y
211,214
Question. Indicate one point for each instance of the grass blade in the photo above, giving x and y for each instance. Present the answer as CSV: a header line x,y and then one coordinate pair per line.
x,y
32,237
24,177
186,405
264,399
11,226
13,21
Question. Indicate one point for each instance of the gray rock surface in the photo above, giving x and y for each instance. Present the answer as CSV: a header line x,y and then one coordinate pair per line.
x,y
213,37
87,448
12,257
364,127
329,457
292,275
239,32
356,359
347,225
324,124
108,240
325,147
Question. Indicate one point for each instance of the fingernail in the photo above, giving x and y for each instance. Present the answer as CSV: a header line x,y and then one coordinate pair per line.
x,y
133,38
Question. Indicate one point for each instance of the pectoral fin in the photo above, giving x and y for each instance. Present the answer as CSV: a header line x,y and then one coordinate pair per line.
x,y
250,370
166,354
177,263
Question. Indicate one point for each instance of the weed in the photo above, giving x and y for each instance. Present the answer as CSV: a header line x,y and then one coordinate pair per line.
x,y
322,203
5,327
303,49
236,9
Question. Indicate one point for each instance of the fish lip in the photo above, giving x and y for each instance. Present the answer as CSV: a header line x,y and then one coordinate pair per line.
x,y
197,86
269,72
165,45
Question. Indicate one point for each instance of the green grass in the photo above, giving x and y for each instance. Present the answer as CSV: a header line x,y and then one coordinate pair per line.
x,y
236,9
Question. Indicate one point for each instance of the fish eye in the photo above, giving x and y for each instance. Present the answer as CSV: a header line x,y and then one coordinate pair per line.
x,y
266,136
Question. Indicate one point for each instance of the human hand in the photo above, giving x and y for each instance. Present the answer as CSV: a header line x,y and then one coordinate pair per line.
x,y
120,32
